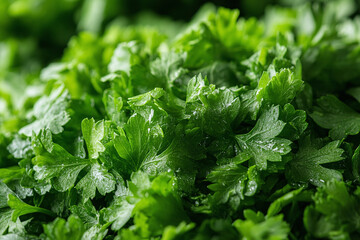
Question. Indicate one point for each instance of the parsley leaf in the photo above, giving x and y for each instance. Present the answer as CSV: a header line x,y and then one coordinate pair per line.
x,y
258,227
213,110
61,229
295,122
335,212
262,142
338,117
97,178
50,113
150,128
229,182
280,89
93,133
306,165
20,208
138,142
59,166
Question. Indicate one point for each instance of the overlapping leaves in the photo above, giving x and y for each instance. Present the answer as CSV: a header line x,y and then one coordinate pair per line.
x,y
138,137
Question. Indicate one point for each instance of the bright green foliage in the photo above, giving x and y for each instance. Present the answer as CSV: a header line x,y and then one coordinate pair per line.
x,y
160,207
262,142
306,165
280,89
50,113
20,208
20,148
229,184
295,122
168,68
335,213
138,143
217,228
157,129
97,178
178,232
59,166
87,213
338,117
211,109
5,220
257,227
93,133
5,191
61,230
118,213
124,56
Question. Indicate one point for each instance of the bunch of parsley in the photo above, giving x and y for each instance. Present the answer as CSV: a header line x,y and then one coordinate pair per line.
x,y
223,128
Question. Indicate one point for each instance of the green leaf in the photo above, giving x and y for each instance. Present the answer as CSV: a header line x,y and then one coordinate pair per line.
x,y
306,165
149,106
179,157
168,68
261,142
120,209
138,142
295,122
20,148
178,232
216,228
4,192
220,109
124,57
250,106
160,207
59,166
149,128
93,133
199,47
43,140
335,212
113,105
229,183
213,110
224,26
257,227
92,16
11,174
146,200
50,113
196,86
97,178
279,89
20,208
277,205
87,213
118,213
338,117
5,220
60,229
143,80
96,232
221,74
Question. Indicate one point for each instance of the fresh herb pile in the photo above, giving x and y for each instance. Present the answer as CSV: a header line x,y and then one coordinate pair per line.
x,y
222,128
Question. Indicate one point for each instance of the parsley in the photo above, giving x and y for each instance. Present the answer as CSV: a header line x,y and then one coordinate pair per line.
x,y
226,127
261,142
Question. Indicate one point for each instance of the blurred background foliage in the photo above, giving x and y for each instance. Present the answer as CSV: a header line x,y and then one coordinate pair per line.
x,y
34,33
